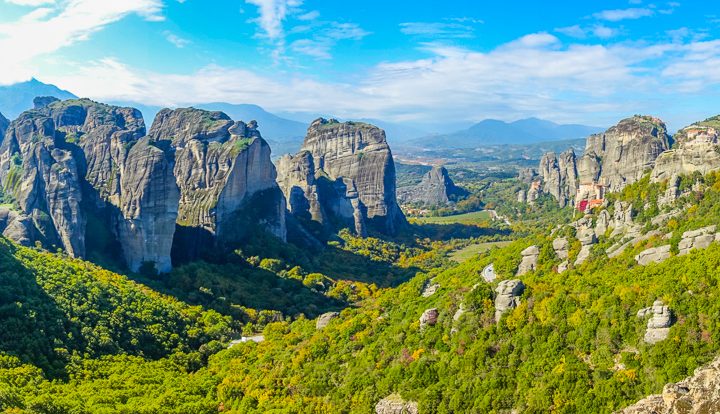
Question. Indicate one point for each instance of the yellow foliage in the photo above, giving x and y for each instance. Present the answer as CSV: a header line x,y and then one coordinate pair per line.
x,y
416,355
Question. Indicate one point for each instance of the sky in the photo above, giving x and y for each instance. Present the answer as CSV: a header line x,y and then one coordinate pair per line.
x,y
425,62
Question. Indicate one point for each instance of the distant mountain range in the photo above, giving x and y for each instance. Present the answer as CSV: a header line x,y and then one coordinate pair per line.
x,y
18,97
495,132
286,135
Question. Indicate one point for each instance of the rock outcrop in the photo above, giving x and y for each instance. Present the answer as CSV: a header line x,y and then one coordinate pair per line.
x,y
324,319
658,325
508,296
395,404
435,189
697,239
488,273
698,394
529,260
613,159
430,288
586,236
344,176
628,150
696,149
4,123
66,161
653,255
225,177
559,175
429,318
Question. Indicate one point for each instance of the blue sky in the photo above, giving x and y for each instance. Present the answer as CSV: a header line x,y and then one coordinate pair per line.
x,y
428,62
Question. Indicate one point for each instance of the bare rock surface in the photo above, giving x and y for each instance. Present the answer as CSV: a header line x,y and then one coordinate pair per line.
x,y
529,260
697,394
324,319
696,150
395,404
696,239
508,296
653,255
429,318
435,189
658,325
344,174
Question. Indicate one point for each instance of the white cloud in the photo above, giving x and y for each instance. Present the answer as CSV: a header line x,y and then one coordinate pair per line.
x,y
309,15
176,40
437,29
535,75
320,45
45,30
623,14
33,3
272,15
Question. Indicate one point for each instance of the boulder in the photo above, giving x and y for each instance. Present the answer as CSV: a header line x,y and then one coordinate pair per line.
x,y
429,318
324,319
696,239
430,289
508,296
653,255
602,223
435,189
488,273
658,325
586,236
529,260
561,247
394,404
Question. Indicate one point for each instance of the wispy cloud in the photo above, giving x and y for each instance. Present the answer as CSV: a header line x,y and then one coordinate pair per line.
x,y
437,29
320,45
176,40
535,75
33,3
49,28
598,30
272,14
624,14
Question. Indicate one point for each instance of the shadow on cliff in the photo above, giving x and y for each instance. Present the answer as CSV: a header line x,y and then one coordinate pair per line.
x,y
33,327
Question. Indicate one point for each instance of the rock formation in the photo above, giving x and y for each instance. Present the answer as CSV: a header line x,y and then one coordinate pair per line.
x,y
586,236
695,150
4,123
435,189
508,296
613,159
561,248
658,325
697,239
429,318
602,223
66,161
529,260
394,404
430,288
653,255
226,180
628,150
488,273
324,319
559,175
698,394
344,176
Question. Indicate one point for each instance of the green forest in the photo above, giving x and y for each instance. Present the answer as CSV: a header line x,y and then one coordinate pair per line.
x,y
78,338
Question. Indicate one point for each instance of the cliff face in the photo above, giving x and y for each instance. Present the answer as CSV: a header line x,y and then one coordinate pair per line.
x,y
696,148
4,123
628,150
51,153
618,157
435,189
70,160
348,168
225,178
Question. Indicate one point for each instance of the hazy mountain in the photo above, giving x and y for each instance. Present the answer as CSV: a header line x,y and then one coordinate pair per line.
x,y
495,132
18,97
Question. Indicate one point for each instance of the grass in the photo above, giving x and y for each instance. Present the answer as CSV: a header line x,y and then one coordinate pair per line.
x,y
473,250
474,218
